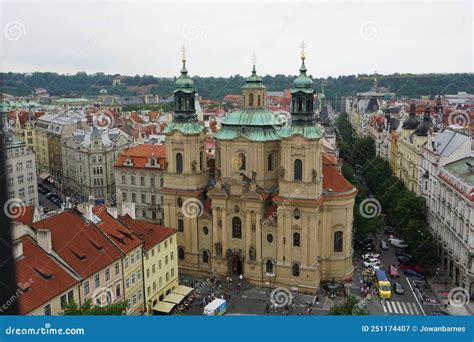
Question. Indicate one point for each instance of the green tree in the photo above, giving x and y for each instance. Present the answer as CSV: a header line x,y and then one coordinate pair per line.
x,y
350,306
88,309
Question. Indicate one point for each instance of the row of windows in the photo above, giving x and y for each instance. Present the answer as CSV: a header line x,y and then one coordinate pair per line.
x,y
143,198
134,256
133,279
142,180
19,166
97,278
136,298
153,267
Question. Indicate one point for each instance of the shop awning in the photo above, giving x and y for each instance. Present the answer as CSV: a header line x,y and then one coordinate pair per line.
x,y
183,290
164,307
174,298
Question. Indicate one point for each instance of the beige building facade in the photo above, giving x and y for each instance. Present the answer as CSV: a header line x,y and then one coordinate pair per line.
x,y
278,211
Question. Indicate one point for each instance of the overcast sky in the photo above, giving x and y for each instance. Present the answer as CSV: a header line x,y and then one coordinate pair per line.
x,y
146,37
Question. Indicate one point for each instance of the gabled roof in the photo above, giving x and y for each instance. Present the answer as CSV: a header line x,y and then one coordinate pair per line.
x,y
40,277
79,243
139,155
151,234
122,237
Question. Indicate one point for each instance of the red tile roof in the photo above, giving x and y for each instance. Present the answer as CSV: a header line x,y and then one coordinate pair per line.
x,y
26,215
79,242
332,179
150,233
122,237
39,276
140,154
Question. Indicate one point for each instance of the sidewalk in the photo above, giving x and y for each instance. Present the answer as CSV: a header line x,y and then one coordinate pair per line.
x,y
441,291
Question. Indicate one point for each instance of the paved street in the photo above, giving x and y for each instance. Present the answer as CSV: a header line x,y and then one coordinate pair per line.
x,y
410,302
250,300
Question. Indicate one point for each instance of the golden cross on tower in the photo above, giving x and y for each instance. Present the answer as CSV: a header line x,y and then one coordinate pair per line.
x,y
183,50
303,46
254,59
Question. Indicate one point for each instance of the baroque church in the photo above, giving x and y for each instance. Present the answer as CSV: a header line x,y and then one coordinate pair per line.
x,y
276,209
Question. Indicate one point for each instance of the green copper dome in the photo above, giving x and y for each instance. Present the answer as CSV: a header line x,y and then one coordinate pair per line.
x,y
302,82
184,83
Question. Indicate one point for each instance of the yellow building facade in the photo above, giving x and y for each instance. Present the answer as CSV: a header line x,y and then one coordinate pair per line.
x,y
278,211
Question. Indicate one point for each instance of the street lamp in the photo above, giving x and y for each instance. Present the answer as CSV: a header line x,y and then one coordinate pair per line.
x,y
270,275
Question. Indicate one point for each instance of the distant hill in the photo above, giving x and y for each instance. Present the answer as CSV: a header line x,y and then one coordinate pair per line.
x,y
82,84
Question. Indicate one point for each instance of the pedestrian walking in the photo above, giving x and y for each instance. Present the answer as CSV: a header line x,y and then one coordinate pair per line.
x,y
317,300
241,277
267,308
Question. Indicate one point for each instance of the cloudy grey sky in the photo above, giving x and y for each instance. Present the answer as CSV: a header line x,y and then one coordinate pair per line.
x,y
146,37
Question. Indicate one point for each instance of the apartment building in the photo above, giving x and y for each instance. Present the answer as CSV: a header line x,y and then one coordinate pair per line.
x,y
20,170
139,178
88,159
160,262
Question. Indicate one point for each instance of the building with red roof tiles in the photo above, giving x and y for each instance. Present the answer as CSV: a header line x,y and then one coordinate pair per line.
x,y
45,286
130,246
139,178
85,251
160,261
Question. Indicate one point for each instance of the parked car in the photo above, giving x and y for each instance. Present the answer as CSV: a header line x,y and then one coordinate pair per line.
x,y
405,259
384,245
414,274
393,271
398,243
408,266
370,255
372,262
401,252
398,288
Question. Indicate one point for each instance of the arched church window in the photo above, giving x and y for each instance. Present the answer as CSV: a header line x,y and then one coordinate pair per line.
x,y
338,242
269,266
236,228
251,99
181,253
271,162
296,214
300,105
296,239
296,270
243,161
201,157
179,163
298,170
205,257
258,100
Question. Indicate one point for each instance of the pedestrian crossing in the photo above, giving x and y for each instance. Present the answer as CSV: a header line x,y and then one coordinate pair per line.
x,y
399,308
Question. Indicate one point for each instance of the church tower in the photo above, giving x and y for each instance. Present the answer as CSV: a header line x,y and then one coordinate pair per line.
x,y
186,172
300,190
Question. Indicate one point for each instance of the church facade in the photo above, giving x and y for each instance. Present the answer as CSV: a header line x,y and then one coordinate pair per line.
x,y
276,209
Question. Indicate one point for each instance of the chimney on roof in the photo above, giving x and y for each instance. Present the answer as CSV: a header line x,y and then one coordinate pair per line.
x,y
17,249
43,237
127,208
